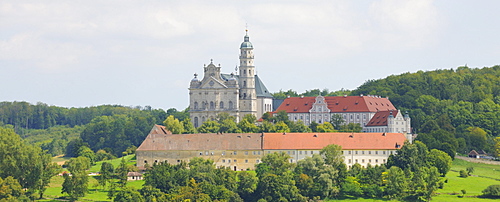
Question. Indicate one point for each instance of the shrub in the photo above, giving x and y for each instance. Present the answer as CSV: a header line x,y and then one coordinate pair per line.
x,y
492,191
463,174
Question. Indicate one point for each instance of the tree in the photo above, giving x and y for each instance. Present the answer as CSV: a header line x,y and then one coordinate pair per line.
x,y
188,126
28,164
87,152
497,147
173,125
247,125
266,127
281,127
325,128
121,173
281,116
492,191
337,121
76,184
229,126
10,189
247,185
106,171
440,160
396,183
209,127
275,163
128,194
298,126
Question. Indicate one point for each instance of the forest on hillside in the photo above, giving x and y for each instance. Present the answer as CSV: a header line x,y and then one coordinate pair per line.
x,y
452,110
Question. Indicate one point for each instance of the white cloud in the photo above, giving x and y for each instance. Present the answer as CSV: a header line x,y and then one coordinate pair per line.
x,y
412,23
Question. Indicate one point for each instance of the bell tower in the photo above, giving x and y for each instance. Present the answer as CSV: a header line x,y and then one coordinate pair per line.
x,y
247,94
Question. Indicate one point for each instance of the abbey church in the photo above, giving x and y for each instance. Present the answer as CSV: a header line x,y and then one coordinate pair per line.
x,y
236,94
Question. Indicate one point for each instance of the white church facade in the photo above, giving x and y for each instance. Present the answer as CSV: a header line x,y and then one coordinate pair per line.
x,y
237,94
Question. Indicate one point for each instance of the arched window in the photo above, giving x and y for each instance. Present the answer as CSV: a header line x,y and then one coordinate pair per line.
x,y
230,105
221,105
212,106
205,105
196,122
202,119
195,105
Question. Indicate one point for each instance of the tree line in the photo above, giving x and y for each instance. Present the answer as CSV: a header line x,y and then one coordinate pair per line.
x,y
414,173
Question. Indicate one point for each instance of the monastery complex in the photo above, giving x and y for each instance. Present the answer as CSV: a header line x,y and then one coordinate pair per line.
x,y
385,128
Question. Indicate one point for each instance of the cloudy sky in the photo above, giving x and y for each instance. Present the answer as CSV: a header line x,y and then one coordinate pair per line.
x,y
88,53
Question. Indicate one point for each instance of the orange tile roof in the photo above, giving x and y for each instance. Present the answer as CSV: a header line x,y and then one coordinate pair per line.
x,y
316,141
380,118
338,104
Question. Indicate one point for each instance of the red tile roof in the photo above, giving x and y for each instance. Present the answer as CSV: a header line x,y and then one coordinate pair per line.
x,y
338,104
380,118
316,141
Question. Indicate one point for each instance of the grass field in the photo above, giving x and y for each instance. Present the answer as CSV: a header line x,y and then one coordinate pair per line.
x,y
95,192
483,176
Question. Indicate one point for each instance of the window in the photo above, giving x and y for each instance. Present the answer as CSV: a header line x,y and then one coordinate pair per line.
x,y
376,152
356,160
288,152
253,152
362,160
257,161
201,153
300,152
221,105
223,160
234,152
350,160
258,152
369,152
234,160
230,105
206,153
246,152
229,160
312,152
362,152
145,162
349,152
195,105
376,160
383,152
246,160
244,83
196,122
356,152
369,160
212,106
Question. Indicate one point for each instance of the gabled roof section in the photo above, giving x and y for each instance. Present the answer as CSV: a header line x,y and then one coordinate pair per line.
x,y
225,141
338,104
348,141
297,104
380,118
212,82
159,129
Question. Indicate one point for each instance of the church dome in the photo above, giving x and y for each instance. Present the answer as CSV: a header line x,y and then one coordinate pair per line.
x,y
246,43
